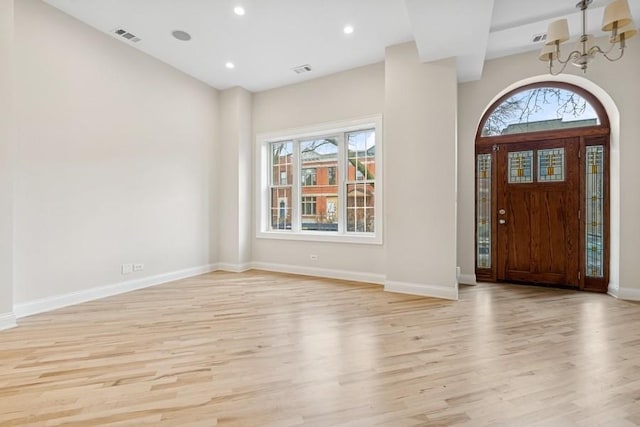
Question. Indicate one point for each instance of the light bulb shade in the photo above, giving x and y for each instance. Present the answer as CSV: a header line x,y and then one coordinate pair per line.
x,y
616,12
628,31
547,53
558,31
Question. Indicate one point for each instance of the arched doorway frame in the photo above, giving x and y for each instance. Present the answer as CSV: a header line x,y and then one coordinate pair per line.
x,y
613,114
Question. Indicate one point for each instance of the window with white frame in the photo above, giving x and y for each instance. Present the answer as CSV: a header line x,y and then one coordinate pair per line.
x,y
322,183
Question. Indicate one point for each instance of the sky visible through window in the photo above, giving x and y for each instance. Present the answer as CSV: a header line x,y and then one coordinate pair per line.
x,y
545,108
361,141
549,111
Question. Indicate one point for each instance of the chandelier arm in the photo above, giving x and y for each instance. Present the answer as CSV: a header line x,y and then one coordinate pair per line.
x,y
561,70
573,55
615,59
598,49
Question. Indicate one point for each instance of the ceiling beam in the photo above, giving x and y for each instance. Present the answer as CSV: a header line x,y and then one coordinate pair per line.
x,y
453,28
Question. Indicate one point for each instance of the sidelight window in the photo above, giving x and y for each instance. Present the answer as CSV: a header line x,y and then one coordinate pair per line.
x,y
594,206
483,217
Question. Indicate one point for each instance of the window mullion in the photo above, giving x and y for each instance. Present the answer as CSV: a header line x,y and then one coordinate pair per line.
x,y
296,221
342,177
267,213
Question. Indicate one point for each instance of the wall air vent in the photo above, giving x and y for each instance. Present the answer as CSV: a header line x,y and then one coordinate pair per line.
x,y
302,69
120,32
537,38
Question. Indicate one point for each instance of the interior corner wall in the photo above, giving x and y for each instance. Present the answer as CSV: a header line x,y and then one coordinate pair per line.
x,y
235,177
114,156
6,174
619,82
420,173
342,96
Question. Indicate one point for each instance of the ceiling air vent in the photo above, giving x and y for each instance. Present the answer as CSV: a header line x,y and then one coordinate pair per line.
x,y
126,35
302,69
537,38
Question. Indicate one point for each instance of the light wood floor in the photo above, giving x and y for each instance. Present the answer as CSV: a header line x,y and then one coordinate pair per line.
x,y
264,349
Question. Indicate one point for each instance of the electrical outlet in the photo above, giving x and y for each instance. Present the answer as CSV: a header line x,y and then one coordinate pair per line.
x,y
127,268
138,267
313,257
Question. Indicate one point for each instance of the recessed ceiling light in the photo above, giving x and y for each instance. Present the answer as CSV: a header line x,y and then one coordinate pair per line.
x,y
348,29
230,65
239,10
181,35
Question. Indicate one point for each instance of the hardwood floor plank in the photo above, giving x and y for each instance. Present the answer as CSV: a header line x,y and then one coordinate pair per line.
x,y
268,349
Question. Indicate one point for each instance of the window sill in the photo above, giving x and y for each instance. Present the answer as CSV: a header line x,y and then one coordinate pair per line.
x,y
310,236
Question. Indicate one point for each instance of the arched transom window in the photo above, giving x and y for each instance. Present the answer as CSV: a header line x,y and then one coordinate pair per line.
x,y
537,109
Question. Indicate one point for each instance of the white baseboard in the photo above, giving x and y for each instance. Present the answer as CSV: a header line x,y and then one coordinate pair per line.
x,y
234,268
421,289
354,276
7,321
612,289
467,279
65,300
625,293
59,301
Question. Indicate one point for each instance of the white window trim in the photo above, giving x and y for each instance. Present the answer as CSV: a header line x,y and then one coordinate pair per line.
x,y
262,183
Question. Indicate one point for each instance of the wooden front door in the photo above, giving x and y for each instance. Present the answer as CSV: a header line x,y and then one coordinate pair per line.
x,y
538,197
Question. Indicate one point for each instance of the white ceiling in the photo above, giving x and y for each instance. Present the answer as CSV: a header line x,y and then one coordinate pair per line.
x,y
275,36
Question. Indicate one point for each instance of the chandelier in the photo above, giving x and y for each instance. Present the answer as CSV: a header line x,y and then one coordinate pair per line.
x,y
617,22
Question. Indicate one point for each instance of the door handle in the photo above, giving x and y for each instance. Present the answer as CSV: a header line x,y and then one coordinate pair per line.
x,y
502,221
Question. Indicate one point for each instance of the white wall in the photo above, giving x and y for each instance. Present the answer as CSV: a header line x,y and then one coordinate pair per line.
x,y
420,173
617,82
114,159
343,96
122,159
418,102
6,174
235,177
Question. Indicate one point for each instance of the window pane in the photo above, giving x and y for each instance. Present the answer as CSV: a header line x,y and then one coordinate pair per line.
x,y
361,155
595,211
319,191
483,226
309,176
539,109
521,167
281,208
281,163
551,165
360,207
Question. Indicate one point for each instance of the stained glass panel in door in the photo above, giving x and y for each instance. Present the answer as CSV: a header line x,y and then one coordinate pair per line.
x,y
483,218
594,205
